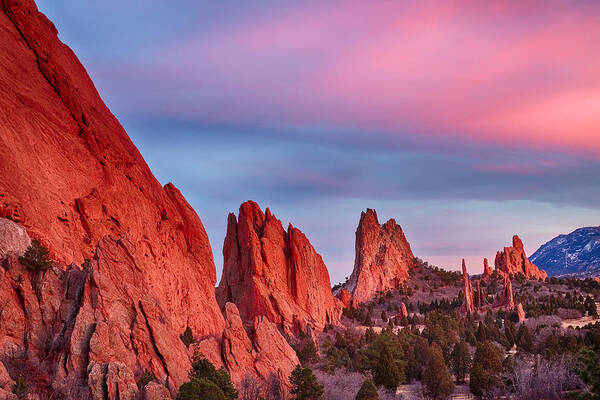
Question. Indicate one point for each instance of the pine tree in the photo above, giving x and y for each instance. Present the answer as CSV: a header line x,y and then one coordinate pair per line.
x,y
36,257
304,384
437,382
486,368
200,388
461,361
20,388
524,339
367,391
386,371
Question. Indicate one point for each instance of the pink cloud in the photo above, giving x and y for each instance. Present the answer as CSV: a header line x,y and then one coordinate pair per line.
x,y
518,75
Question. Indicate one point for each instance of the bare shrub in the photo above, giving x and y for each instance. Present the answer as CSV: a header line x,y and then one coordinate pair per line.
x,y
568,313
251,388
546,320
539,378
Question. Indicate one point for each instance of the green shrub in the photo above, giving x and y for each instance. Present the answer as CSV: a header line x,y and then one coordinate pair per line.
x,y
367,391
200,389
145,379
36,257
20,388
304,384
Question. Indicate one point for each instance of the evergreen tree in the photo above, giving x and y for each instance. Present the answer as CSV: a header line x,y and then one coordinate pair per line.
x,y
200,389
486,369
524,339
367,391
386,371
437,382
203,369
36,257
461,361
304,384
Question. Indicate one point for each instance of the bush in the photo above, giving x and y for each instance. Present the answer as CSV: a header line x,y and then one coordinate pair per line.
x,y
145,379
203,369
200,388
187,337
304,384
367,391
20,388
36,257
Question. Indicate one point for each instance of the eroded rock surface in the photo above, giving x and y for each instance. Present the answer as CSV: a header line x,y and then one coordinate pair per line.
x,y
512,260
275,273
383,258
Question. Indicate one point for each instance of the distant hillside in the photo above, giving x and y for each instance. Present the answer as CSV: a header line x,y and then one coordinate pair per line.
x,y
576,254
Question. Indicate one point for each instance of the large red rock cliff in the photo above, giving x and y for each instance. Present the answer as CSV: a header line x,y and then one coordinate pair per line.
x,y
383,258
270,272
512,260
74,180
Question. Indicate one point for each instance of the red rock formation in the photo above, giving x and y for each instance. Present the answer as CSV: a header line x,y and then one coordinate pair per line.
x,y
512,260
468,303
487,271
480,296
57,138
273,273
383,258
344,297
72,177
520,312
509,302
403,311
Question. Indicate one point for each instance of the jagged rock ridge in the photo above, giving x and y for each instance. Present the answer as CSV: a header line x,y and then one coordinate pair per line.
x,y
512,261
74,180
383,258
270,272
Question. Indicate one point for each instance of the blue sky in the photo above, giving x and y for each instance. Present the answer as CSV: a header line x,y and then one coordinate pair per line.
x,y
467,123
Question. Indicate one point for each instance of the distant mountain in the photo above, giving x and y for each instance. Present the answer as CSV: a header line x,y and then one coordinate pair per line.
x,y
576,254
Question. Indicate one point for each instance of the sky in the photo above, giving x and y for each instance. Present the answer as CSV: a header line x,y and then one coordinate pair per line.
x,y
466,121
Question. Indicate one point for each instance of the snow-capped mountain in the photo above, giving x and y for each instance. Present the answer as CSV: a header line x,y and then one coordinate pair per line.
x,y
576,254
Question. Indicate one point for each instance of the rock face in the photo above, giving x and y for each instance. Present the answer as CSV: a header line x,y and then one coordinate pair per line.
x,y
403,311
274,273
383,258
13,238
509,301
520,312
72,179
468,305
512,260
71,175
487,271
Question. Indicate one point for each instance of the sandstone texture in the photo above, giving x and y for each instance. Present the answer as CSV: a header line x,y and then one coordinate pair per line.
x,y
14,239
520,312
383,258
271,272
403,311
512,260
133,267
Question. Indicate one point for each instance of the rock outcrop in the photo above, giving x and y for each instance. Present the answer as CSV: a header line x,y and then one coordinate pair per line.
x,y
274,273
133,265
487,270
512,261
520,312
468,305
383,258
509,301
403,311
